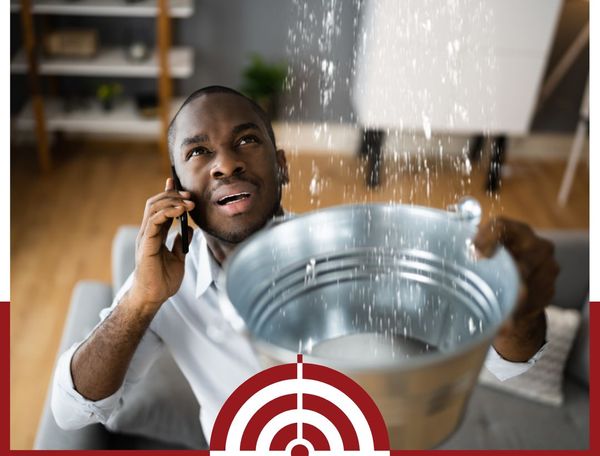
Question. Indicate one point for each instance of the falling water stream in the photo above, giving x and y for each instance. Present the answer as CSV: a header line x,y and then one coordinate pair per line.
x,y
420,38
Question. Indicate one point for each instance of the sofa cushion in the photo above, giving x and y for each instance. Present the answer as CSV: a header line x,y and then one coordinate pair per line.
x,y
123,254
572,252
579,359
496,420
543,381
161,406
87,299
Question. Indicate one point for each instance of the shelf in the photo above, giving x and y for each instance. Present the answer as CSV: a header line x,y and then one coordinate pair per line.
x,y
145,8
122,119
110,62
113,62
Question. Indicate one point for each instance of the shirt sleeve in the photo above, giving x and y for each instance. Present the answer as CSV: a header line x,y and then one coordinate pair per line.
x,y
73,411
503,369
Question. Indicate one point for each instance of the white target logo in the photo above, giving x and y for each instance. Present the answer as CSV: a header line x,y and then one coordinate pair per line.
x,y
299,409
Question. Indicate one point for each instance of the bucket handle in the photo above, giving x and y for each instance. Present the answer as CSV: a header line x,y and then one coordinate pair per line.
x,y
467,209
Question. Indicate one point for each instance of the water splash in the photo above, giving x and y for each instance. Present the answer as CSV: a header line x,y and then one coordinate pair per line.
x,y
310,276
419,159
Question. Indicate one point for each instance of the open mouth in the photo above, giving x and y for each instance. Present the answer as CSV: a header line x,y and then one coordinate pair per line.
x,y
230,199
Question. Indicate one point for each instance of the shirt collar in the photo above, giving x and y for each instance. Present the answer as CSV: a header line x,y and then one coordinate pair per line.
x,y
208,268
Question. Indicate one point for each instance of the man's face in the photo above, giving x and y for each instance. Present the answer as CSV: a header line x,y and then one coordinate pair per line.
x,y
224,156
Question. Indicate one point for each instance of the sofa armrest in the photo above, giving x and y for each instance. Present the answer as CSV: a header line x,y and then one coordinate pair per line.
x,y
578,365
572,252
123,254
87,300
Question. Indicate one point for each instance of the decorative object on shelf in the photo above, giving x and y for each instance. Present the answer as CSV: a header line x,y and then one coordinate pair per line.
x,y
138,51
107,93
263,82
147,104
77,43
74,101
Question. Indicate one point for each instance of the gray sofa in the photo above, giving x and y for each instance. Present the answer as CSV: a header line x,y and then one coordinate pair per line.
x,y
493,419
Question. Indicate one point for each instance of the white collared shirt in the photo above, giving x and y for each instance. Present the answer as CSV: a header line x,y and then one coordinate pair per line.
x,y
214,358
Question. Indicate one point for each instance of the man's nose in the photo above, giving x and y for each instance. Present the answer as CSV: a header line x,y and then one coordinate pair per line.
x,y
228,164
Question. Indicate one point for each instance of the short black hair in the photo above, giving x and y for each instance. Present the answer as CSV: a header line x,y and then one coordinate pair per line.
x,y
219,89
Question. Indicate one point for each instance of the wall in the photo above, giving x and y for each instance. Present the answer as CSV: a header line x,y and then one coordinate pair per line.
x,y
225,33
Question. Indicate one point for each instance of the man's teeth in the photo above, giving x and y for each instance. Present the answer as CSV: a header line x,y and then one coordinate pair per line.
x,y
233,198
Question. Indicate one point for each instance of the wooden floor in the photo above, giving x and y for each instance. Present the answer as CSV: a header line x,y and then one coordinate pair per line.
x,y
62,226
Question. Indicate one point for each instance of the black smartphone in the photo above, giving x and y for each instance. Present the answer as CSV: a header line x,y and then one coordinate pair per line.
x,y
183,221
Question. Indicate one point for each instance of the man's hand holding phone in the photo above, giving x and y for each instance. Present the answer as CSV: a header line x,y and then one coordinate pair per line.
x,y
158,270
99,365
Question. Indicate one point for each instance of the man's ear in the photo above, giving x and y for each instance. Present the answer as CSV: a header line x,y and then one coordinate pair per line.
x,y
282,167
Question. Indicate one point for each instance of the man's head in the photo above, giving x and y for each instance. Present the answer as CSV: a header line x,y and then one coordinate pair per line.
x,y
223,148
219,89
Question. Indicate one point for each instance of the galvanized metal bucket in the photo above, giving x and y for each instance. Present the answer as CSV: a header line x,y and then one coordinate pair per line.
x,y
391,295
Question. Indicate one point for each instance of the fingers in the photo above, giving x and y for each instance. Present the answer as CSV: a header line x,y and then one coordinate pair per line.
x,y
170,197
524,332
160,211
502,231
525,246
533,255
541,254
170,193
158,269
162,220
541,283
170,201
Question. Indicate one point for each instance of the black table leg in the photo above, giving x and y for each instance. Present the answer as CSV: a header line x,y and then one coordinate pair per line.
x,y
496,161
371,143
476,148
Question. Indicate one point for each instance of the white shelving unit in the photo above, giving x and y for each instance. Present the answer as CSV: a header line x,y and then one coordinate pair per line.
x,y
110,62
120,8
124,118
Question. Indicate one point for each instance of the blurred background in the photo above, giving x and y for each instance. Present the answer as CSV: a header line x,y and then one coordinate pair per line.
x,y
415,102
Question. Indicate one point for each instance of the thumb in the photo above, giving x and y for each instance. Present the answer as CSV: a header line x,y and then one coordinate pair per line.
x,y
486,240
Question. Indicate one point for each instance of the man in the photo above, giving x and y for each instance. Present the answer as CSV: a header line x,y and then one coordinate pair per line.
x,y
223,148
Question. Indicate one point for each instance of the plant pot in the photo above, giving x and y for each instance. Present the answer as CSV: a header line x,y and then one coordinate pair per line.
x,y
269,103
107,104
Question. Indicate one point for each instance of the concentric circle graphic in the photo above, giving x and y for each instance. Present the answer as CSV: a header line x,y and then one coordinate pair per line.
x,y
299,409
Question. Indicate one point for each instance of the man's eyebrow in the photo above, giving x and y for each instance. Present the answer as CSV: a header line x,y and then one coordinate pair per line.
x,y
245,126
196,139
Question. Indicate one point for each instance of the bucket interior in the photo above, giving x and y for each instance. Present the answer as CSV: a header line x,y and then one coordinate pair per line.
x,y
384,294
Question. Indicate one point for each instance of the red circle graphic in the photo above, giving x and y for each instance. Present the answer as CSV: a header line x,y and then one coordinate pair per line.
x,y
301,406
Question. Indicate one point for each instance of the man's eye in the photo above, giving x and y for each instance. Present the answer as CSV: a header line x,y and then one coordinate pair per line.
x,y
250,139
197,151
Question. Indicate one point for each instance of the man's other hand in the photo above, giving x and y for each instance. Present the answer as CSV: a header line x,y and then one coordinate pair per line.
x,y
523,334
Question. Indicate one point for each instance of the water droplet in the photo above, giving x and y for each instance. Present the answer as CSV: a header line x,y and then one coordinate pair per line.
x,y
310,275
472,327
426,126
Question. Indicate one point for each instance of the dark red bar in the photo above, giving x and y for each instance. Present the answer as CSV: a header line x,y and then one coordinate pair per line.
x,y
5,402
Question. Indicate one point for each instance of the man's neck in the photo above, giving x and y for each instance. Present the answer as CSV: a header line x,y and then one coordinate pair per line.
x,y
220,249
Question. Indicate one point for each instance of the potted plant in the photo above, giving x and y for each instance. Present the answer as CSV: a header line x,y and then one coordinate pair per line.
x,y
263,82
107,93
